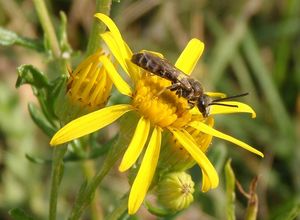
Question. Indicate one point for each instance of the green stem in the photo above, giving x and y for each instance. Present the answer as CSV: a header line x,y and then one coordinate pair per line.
x,y
87,191
102,6
86,195
89,171
47,26
119,211
57,173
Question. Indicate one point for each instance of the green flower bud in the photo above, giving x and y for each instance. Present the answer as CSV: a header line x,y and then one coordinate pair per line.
x,y
175,191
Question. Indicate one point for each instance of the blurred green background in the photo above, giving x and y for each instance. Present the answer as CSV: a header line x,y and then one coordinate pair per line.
x,y
250,46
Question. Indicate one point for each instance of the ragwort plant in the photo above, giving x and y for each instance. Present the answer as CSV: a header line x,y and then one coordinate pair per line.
x,y
160,137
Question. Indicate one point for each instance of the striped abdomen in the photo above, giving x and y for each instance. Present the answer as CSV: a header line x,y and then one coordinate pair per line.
x,y
156,65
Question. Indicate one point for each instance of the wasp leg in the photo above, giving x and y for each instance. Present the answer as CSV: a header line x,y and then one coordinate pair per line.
x,y
191,104
161,91
190,95
173,87
179,92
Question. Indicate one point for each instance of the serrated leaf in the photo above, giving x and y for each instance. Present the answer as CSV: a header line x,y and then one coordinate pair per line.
x,y
28,74
40,120
9,38
19,214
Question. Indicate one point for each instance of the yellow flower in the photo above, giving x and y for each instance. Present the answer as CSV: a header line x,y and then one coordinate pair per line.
x,y
88,89
89,85
158,113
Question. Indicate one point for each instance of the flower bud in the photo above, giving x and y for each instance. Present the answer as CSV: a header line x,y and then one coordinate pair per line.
x,y
88,88
175,191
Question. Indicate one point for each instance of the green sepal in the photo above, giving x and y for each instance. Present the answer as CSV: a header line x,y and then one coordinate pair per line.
x,y
40,120
9,38
158,211
19,214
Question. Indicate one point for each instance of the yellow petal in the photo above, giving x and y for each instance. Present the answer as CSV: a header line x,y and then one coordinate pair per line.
x,y
89,123
136,145
210,178
126,54
241,108
154,52
120,84
216,94
206,183
190,56
133,71
209,130
115,49
144,177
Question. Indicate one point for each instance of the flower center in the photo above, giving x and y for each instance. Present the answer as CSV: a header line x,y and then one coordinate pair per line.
x,y
158,104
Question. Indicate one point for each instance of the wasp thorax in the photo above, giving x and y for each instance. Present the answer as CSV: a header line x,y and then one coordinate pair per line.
x,y
197,87
158,104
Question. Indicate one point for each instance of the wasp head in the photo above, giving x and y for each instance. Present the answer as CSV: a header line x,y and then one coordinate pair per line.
x,y
203,103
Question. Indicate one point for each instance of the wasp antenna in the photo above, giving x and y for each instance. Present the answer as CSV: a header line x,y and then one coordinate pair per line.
x,y
230,97
223,104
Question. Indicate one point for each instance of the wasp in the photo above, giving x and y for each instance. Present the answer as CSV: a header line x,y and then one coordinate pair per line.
x,y
183,85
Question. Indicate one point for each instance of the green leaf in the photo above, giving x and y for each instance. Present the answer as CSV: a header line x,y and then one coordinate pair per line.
x,y
289,210
37,160
62,34
19,214
57,86
40,120
41,87
28,74
9,38
230,191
